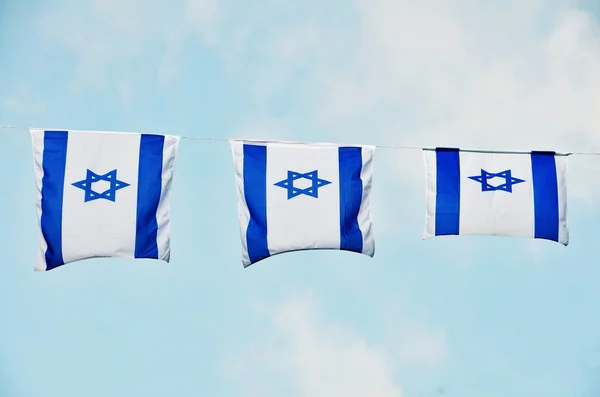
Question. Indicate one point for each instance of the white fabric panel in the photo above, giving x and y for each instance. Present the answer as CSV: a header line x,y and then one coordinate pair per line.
x,y
302,222
37,138
429,158
496,212
237,150
364,216
104,227
163,212
561,174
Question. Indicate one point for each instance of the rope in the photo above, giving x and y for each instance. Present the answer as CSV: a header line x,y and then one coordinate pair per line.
x,y
14,127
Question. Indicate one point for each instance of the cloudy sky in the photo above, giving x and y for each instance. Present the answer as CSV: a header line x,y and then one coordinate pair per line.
x,y
452,316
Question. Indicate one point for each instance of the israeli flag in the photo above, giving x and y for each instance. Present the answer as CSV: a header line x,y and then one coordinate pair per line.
x,y
303,196
509,194
102,194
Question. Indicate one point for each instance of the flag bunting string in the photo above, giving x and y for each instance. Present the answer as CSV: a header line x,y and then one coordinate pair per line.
x,y
14,127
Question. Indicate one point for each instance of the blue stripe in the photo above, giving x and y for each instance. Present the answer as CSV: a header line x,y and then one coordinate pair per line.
x,y
54,161
255,192
447,201
148,195
351,189
545,195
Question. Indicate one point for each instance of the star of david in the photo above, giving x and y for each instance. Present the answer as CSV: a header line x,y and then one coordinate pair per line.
x,y
485,176
109,194
312,190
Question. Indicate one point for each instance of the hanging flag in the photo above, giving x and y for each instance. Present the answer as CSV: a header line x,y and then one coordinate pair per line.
x,y
303,196
510,194
102,194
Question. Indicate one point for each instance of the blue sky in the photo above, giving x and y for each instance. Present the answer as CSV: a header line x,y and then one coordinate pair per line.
x,y
454,316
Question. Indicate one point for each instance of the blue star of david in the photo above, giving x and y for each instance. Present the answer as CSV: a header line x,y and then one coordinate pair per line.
x,y
312,190
485,176
108,194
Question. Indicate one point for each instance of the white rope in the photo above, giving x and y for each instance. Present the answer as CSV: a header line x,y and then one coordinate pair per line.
x,y
14,127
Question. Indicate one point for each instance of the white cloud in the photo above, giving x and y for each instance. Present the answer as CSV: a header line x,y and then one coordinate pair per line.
x,y
202,15
515,75
303,353
458,82
111,37
411,344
